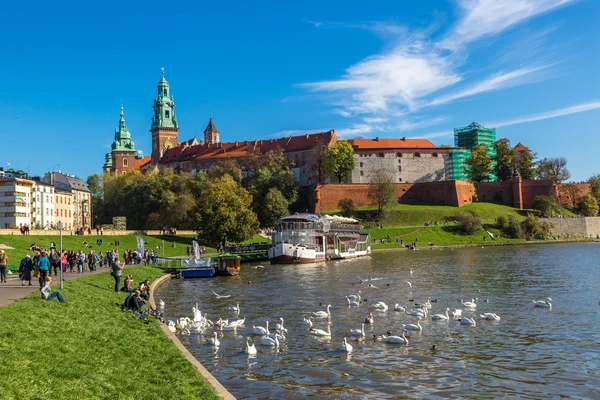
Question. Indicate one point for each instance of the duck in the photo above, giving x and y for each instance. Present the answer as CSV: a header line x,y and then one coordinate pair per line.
x,y
427,304
250,347
259,330
413,327
171,326
235,309
543,303
469,304
269,341
323,314
279,327
456,313
396,339
321,332
380,306
468,321
352,303
214,341
441,316
347,347
354,297
308,321
489,316
358,332
398,307
369,319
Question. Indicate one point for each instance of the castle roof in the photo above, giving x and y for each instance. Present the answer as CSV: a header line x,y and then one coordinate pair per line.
x,y
388,144
139,162
211,128
520,147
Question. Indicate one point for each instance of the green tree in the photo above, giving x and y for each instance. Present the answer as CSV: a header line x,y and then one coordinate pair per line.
x,y
225,214
588,205
546,205
96,185
532,227
594,182
504,159
227,167
382,191
339,160
469,223
479,164
275,206
347,208
524,161
554,169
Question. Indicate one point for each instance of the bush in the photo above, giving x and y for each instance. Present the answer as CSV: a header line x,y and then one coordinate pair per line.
x,y
588,205
532,227
347,208
469,223
510,227
546,205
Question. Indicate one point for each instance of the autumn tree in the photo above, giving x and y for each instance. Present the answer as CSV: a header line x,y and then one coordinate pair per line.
x,y
554,169
504,159
479,164
225,213
382,191
226,167
594,182
570,195
339,160
588,205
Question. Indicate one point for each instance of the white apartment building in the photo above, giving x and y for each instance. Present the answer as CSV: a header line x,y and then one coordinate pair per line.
x,y
42,206
15,202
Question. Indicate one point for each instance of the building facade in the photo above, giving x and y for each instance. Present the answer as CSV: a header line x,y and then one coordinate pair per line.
x,y
15,202
42,206
80,211
63,208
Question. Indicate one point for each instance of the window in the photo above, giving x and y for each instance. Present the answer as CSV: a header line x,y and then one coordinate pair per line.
x,y
123,173
167,114
399,155
434,155
380,154
69,213
417,155
399,168
125,162
362,173
361,164
400,180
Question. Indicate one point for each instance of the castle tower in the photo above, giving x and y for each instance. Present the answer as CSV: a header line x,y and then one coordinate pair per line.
x,y
164,123
120,160
211,133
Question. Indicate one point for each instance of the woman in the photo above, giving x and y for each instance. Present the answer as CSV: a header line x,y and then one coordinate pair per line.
x,y
25,270
46,289
128,282
71,259
3,266
63,261
117,272
43,265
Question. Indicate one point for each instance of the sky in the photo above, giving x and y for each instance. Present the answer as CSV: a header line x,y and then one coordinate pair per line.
x,y
268,69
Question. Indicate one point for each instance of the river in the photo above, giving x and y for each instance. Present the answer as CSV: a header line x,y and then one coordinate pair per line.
x,y
530,353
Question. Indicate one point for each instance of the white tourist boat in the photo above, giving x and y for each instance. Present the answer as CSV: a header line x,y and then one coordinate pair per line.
x,y
305,238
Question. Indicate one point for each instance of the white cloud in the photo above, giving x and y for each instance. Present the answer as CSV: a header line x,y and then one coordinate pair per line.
x,y
438,134
296,132
355,130
548,114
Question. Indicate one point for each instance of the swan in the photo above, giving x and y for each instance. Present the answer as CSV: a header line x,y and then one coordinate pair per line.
x,y
421,312
352,303
279,327
323,314
214,341
396,339
380,306
409,284
358,332
347,347
269,341
369,319
456,313
427,304
221,296
543,303
468,321
489,316
161,304
235,309
413,327
321,332
469,304
257,266
354,297
171,326
250,348
196,327
197,314
237,322
398,307
259,330
308,321
441,316
182,323
185,332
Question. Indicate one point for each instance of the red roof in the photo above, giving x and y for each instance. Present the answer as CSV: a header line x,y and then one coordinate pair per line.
x,y
139,162
404,143
520,147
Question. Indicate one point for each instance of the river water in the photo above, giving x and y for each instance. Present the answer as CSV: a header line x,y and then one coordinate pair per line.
x,y
530,353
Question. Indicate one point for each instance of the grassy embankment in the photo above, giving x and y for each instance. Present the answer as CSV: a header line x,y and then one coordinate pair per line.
x,y
407,222
89,349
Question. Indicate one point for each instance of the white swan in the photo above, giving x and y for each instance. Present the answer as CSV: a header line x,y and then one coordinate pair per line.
x,y
182,323
197,314
221,296
235,309
307,321
196,327
250,348
420,312
352,303
543,303
259,330
323,314
380,306
358,332
441,316
237,322
321,332
427,304
279,327
488,316
214,341
456,313
468,321
347,347
171,326
398,307
413,327
396,339
469,304
409,284
269,341
161,304
354,297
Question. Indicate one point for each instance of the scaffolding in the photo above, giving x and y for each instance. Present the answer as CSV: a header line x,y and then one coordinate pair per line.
x,y
464,140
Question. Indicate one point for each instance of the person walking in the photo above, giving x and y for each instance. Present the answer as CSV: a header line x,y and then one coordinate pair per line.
x,y
117,272
25,269
46,289
43,265
91,261
54,261
63,261
3,266
80,261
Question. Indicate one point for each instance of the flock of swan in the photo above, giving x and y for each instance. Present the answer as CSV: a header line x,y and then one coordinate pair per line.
x,y
263,336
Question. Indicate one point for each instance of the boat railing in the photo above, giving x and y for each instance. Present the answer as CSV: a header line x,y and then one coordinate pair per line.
x,y
345,227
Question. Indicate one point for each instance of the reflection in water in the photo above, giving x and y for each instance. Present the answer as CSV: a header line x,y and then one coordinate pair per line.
x,y
530,353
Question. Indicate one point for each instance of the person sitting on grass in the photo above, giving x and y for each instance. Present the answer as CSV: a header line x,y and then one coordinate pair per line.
x,y
46,289
128,282
145,289
136,301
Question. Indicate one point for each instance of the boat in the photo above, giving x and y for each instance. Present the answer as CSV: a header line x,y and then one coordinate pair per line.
x,y
307,238
228,265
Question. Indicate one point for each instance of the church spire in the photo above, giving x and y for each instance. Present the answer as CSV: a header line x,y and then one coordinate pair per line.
x,y
164,106
122,135
211,133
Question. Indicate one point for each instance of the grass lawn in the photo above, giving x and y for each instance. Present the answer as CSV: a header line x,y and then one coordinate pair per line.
x,y
89,349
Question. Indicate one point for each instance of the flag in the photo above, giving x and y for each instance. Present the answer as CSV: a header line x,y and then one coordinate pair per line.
x,y
196,249
140,246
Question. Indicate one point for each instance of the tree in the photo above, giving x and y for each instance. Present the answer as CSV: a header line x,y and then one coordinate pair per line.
x,y
546,205
469,223
588,205
225,214
382,191
275,206
227,167
554,169
96,186
347,208
339,160
525,164
532,227
479,164
594,182
504,159
570,195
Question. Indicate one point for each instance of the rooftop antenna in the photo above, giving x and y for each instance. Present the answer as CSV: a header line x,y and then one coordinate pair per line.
x,y
58,166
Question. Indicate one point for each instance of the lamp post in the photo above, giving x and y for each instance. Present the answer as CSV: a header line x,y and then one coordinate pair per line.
x,y
60,228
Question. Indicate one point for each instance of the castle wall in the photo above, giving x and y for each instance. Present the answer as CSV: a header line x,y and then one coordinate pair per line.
x,y
579,227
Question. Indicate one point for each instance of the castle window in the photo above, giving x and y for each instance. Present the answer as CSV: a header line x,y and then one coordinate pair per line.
x,y
380,155
400,180
434,155
399,168
166,92
417,155
399,155
362,173
167,114
361,164
125,162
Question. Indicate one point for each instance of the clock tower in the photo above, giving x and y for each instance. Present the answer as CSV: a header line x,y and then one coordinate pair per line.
x,y
164,127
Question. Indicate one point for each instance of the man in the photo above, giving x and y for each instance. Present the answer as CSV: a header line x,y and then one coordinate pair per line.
x,y
80,261
3,266
54,261
117,272
91,260
144,289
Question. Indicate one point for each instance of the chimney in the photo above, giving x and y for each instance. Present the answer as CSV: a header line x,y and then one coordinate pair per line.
x,y
236,144
404,138
377,139
307,135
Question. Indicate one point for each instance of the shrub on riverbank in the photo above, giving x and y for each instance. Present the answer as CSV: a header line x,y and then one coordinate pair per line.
x,y
89,349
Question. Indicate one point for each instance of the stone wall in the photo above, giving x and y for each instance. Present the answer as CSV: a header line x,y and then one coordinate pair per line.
x,y
579,227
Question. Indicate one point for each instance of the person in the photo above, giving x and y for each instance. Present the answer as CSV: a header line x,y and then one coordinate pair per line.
x,y
145,289
80,261
3,266
54,261
25,269
91,261
43,265
128,282
117,272
136,302
46,289
63,261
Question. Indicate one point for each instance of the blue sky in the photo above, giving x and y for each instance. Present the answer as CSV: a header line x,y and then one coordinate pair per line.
x,y
530,68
